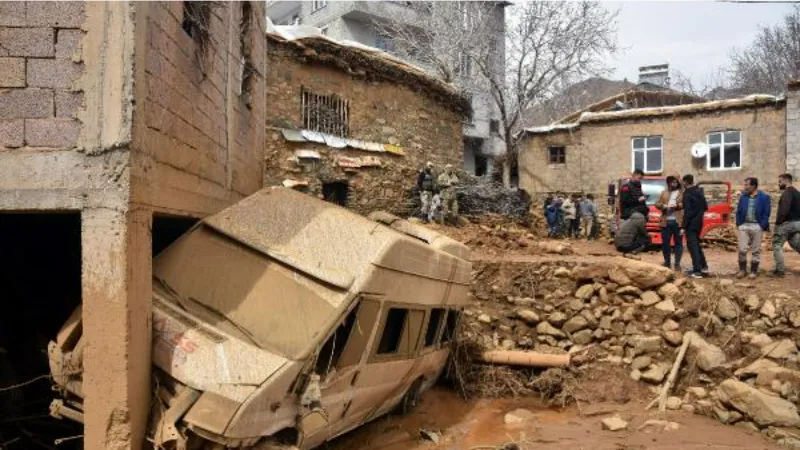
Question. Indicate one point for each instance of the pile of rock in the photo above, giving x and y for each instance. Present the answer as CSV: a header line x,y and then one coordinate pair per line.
x,y
742,361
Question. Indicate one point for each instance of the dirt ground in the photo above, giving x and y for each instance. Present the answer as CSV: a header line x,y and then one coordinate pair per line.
x,y
478,423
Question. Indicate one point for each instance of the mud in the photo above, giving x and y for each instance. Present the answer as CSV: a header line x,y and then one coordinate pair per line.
x,y
478,424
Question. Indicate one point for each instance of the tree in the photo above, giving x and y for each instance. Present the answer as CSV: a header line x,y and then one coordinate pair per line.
x,y
549,45
714,87
771,60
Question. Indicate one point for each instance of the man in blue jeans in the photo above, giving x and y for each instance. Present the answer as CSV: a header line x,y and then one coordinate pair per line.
x,y
694,208
670,203
752,220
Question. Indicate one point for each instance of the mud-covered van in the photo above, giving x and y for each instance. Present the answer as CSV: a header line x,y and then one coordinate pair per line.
x,y
285,321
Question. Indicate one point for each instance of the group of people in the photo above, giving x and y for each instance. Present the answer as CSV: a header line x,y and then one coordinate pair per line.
x,y
571,216
683,206
438,194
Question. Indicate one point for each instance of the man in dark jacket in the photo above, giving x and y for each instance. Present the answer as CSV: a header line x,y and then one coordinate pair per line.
x,y
694,207
752,220
631,197
786,223
426,184
632,236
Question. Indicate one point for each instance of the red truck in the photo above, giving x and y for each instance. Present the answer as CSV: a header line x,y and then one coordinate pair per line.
x,y
717,193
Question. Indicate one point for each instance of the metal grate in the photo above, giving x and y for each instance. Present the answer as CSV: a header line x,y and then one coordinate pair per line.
x,y
326,113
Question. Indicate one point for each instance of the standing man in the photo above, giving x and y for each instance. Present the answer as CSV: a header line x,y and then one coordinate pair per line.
x,y
631,196
570,214
671,205
752,220
588,212
787,222
694,207
426,183
447,184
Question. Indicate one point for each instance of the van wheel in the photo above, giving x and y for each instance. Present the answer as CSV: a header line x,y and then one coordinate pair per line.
x,y
411,398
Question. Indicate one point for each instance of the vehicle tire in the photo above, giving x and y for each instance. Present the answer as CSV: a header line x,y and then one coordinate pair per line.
x,y
411,398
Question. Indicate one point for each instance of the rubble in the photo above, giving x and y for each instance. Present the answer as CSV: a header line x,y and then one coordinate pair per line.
x,y
763,408
614,424
478,196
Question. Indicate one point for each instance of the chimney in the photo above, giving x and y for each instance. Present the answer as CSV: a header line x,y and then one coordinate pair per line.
x,y
658,75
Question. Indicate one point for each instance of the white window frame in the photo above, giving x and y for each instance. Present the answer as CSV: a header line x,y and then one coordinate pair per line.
x,y
645,150
316,5
721,146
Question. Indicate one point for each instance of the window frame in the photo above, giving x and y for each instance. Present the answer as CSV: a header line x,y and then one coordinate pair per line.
x,y
550,149
721,146
644,151
317,5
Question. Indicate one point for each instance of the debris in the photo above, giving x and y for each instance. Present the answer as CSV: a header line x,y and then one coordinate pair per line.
x,y
614,424
518,416
432,436
782,349
673,373
666,306
650,298
726,309
524,359
478,196
528,316
655,374
547,329
669,290
709,356
764,409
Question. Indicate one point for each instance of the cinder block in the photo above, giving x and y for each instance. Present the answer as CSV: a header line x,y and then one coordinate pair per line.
x,y
67,14
68,103
12,14
34,42
26,103
68,44
53,133
12,72
12,133
53,73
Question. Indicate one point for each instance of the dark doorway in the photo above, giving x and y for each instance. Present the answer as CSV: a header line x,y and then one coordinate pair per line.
x,y
40,271
481,165
335,192
167,229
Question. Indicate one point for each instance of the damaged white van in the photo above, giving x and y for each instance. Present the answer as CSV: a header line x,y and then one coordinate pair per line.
x,y
286,321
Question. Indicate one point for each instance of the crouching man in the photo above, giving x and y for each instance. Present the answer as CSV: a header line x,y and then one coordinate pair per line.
x,y
632,235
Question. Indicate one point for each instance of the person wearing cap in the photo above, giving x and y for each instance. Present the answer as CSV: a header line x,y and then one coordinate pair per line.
x,y
426,184
447,183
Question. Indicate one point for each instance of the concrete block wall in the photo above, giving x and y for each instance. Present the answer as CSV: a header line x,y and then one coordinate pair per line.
x,y
793,129
381,112
40,67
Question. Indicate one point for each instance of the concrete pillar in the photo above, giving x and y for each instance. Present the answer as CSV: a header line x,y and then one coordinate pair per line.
x,y
793,129
117,291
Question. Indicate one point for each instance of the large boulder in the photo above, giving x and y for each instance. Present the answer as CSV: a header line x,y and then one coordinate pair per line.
x,y
641,274
762,408
709,356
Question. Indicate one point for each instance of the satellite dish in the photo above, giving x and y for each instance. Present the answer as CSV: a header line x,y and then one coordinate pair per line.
x,y
699,150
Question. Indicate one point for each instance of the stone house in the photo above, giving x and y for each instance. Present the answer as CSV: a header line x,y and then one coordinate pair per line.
x,y
353,125
121,123
745,137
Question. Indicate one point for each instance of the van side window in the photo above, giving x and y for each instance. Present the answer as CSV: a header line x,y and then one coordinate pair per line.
x,y
332,349
393,330
450,326
433,326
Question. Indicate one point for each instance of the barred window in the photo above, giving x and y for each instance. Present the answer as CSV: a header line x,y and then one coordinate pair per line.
x,y
325,113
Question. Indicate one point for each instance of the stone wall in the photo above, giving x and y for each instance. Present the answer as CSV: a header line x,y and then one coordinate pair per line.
x,y
40,62
600,153
381,112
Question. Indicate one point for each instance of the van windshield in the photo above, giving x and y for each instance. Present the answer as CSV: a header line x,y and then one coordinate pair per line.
x,y
652,189
276,307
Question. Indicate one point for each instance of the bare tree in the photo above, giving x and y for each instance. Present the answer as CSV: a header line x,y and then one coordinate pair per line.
x,y
549,45
715,85
771,60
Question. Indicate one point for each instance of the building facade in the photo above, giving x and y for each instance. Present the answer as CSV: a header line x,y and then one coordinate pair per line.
x,y
353,126
355,21
745,137
121,123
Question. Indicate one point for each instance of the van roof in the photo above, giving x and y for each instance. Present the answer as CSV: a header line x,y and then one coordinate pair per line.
x,y
289,226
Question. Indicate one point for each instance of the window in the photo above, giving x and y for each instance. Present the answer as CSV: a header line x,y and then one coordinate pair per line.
x,y
197,23
324,30
724,150
331,352
433,326
450,326
325,113
392,331
647,153
557,155
317,5
494,126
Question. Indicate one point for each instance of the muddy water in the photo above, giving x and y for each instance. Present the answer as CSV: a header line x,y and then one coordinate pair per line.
x,y
478,424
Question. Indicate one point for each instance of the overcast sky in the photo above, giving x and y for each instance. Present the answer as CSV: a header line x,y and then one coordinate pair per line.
x,y
692,36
